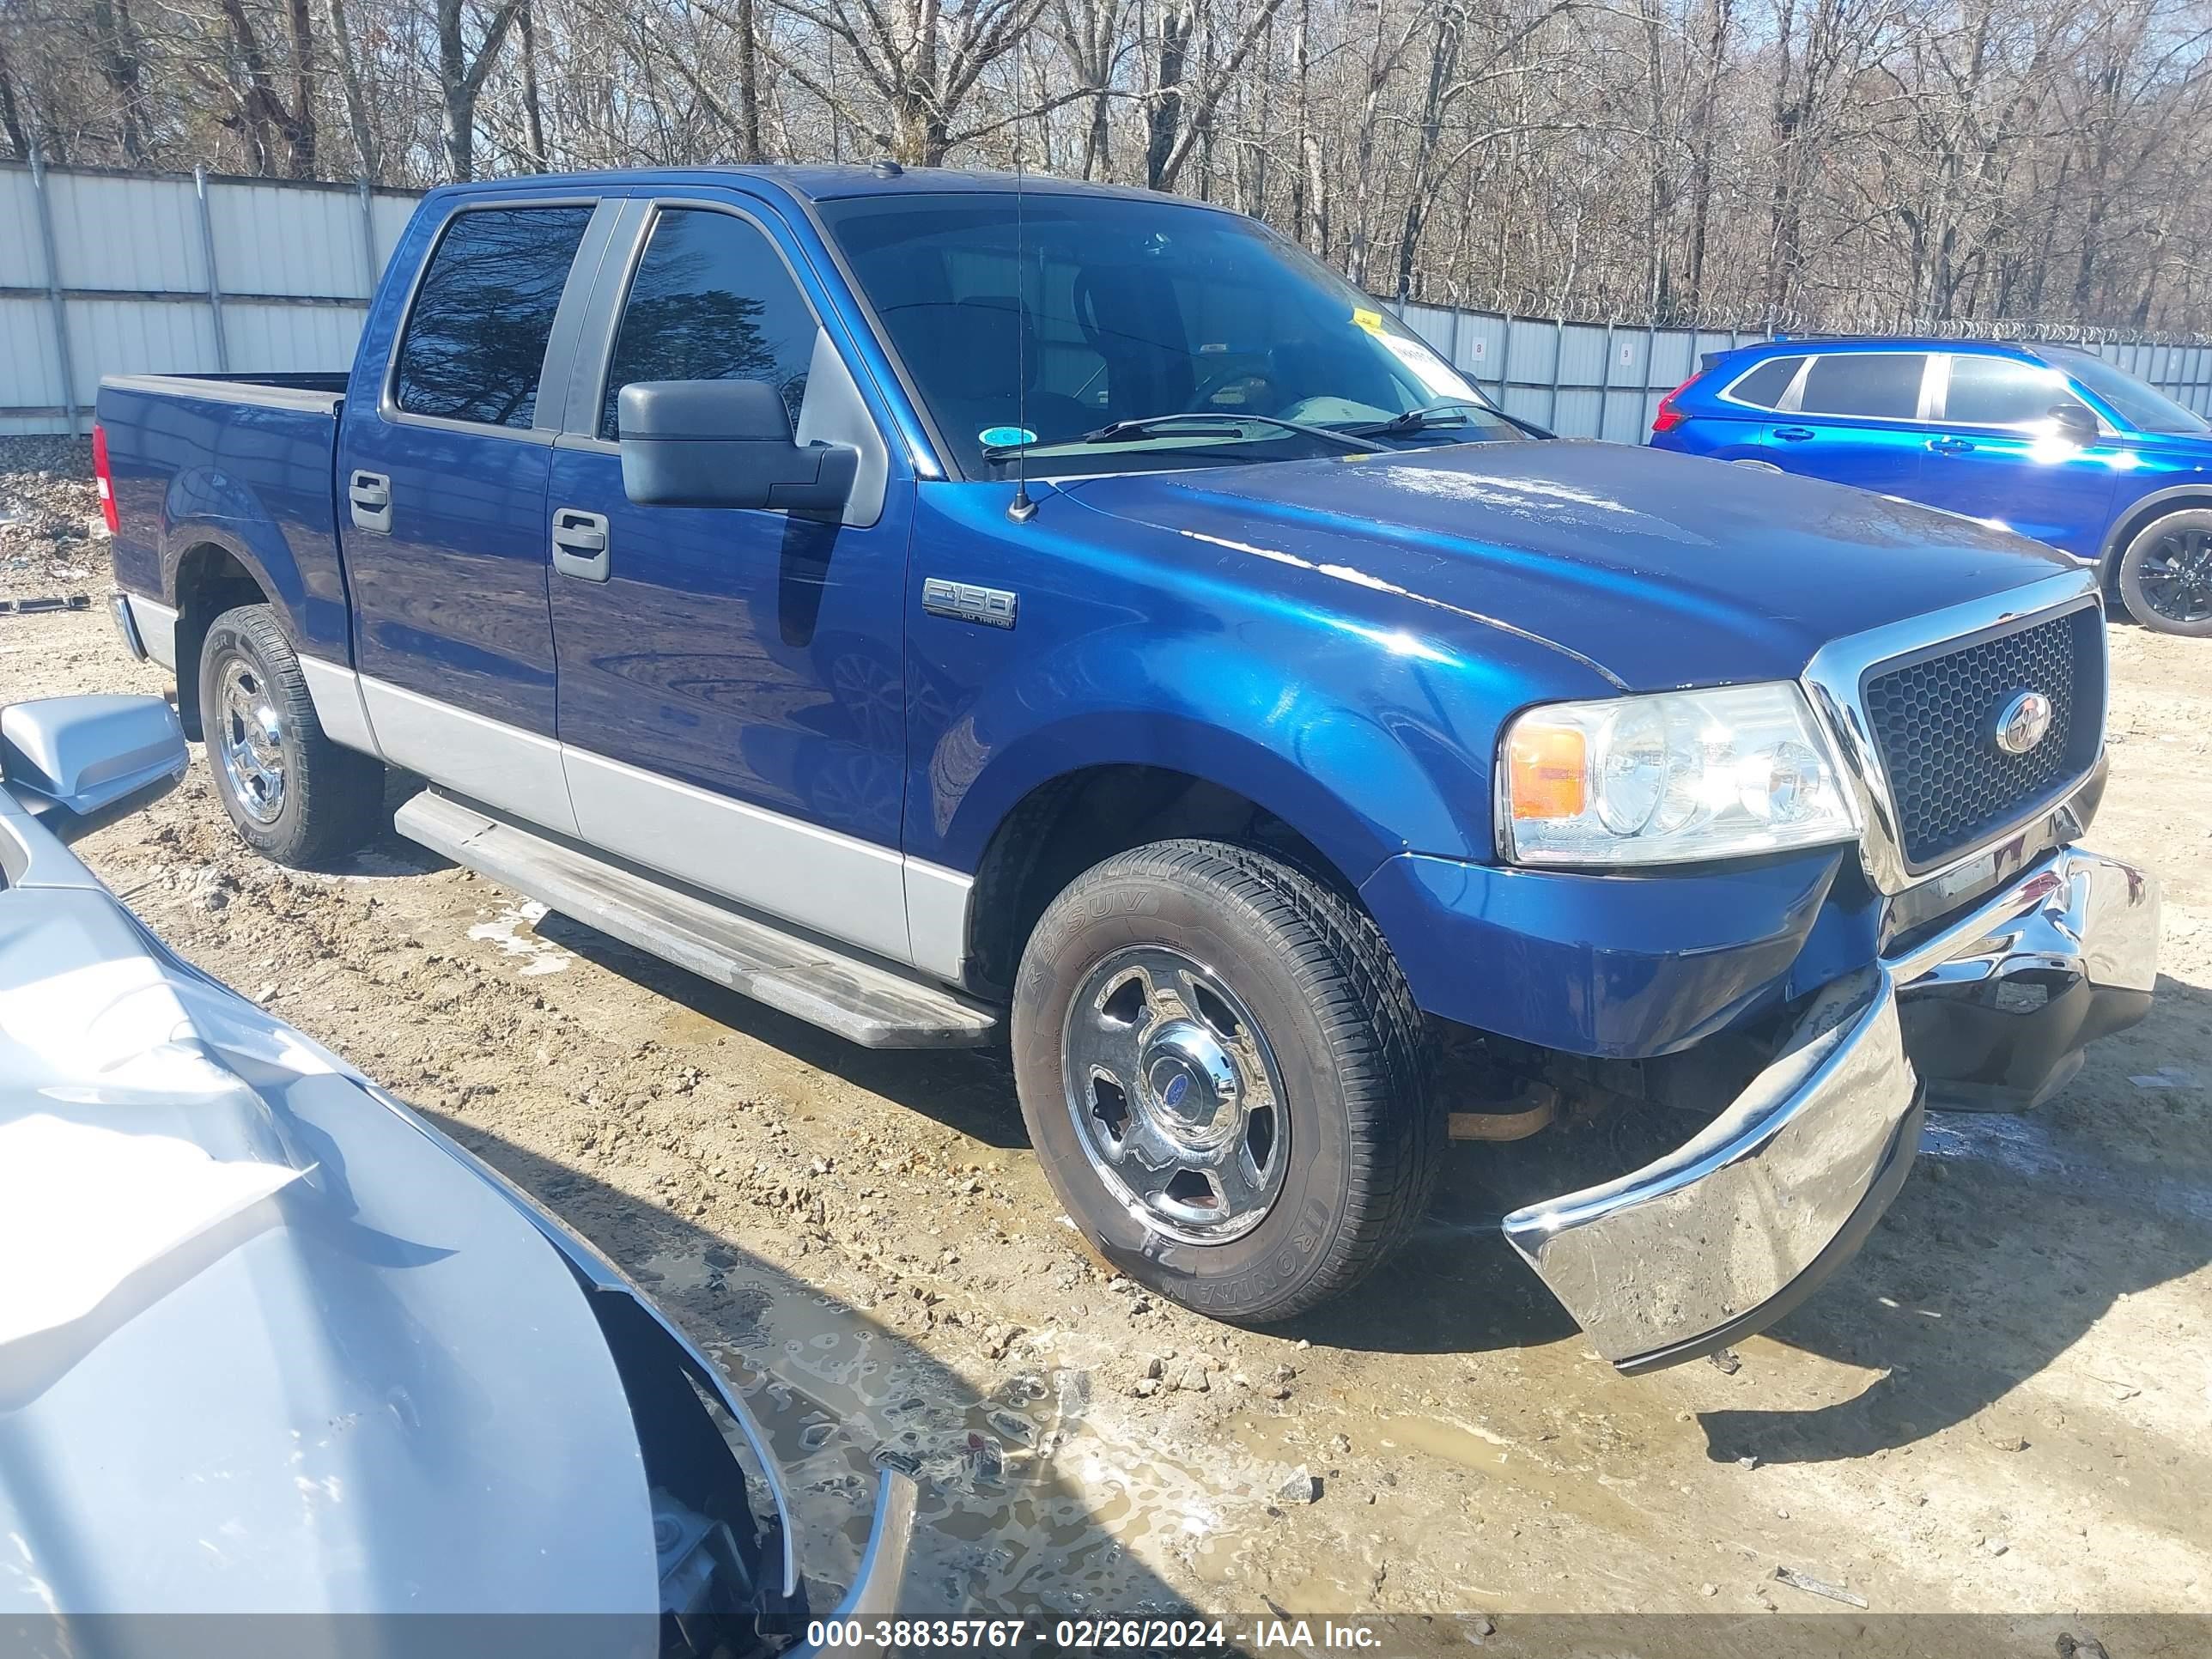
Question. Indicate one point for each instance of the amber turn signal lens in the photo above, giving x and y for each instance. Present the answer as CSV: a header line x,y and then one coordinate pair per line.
x,y
1550,771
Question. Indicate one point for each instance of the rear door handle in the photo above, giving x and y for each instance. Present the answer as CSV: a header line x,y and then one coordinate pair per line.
x,y
368,494
1793,434
1951,445
579,544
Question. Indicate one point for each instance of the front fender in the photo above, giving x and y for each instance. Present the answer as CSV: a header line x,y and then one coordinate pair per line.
x,y
1364,770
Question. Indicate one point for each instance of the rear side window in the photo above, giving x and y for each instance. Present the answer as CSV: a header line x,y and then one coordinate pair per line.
x,y
475,340
1763,385
2001,392
712,300
1875,385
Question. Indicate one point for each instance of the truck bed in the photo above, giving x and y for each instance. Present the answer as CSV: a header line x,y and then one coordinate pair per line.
x,y
238,465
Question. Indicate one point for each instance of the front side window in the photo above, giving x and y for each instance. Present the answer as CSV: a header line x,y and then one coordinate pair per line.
x,y
2142,407
1871,385
1099,311
712,300
2002,391
475,344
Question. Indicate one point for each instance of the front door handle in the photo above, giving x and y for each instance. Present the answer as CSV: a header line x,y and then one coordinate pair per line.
x,y
579,544
368,495
1951,445
1793,434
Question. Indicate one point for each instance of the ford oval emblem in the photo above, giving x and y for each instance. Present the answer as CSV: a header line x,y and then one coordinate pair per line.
x,y
1178,1087
2025,723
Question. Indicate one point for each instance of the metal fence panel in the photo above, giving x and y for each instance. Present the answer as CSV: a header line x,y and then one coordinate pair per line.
x,y
118,231
153,338
21,265
279,239
279,337
160,273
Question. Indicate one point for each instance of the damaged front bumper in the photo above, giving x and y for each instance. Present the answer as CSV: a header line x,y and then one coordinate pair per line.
x,y
1724,1235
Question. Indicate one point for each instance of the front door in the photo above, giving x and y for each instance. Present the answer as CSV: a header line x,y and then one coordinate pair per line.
x,y
729,689
441,478
2003,456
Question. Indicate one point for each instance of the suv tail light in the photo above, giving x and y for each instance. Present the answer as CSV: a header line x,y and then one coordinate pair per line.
x,y
103,477
1669,414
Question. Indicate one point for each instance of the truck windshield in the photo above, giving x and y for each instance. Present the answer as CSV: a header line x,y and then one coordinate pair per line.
x,y
1123,313
2142,407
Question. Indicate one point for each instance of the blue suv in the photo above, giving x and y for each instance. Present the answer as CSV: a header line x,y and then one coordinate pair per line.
x,y
2048,441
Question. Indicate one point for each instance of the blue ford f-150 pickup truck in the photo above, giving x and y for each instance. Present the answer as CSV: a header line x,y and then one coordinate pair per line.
x,y
937,608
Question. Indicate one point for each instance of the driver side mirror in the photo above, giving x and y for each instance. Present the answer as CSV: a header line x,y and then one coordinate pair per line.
x,y
75,763
2075,423
725,443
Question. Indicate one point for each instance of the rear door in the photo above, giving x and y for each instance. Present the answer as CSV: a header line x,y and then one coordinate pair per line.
x,y
2000,455
442,466
732,708
1857,417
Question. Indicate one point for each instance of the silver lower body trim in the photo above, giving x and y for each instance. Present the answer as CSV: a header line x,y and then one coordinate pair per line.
x,y
334,690
1725,1235
155,624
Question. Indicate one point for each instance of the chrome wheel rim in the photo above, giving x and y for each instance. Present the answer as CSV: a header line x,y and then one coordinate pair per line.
x,y
1176,1096
249,739
2176,576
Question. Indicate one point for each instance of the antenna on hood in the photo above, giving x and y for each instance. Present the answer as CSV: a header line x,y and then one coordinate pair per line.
x,y
1021,509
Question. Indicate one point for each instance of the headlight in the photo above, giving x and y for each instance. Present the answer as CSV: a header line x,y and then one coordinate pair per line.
x,y
1669,779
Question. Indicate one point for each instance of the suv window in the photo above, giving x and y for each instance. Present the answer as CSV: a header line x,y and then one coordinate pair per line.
x,y
476,339
1875,385
2001,392
712,300
1763,385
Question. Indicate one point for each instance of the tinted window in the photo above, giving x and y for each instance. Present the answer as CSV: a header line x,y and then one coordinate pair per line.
x,y
1122,310
2001,392
1881,385
711,301
1765,385
476,341
2142,407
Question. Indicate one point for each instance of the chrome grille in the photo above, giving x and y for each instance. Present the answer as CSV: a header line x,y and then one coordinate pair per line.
x,y
1934,717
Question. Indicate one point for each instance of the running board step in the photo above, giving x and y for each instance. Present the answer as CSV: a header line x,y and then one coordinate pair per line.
x,y
869,1004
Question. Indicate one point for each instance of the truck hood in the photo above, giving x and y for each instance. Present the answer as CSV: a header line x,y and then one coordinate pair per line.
x,y
1659,570
270,1343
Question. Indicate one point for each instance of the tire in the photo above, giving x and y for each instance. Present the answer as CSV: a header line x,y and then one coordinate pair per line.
x,y
296,797
2177,603
1340,1137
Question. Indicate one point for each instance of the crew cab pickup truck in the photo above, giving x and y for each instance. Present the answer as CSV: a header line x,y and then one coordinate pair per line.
x,y
952,611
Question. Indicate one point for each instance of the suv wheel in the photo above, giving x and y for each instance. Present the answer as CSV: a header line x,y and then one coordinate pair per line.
x,y
297,797
1224,1074
2165,574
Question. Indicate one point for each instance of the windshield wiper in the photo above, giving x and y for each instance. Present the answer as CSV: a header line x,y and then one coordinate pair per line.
x,y
1448,411
1191,423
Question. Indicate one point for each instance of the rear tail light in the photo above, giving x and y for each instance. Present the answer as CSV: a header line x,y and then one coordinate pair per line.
x,y
103,477
1670,414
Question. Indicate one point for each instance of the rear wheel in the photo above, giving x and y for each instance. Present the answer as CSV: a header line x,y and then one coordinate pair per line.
x,y
1222,1072
2165,574
297,797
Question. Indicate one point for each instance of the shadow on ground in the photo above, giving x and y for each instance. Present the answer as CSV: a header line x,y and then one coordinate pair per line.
x,y
2012,1238
999,1529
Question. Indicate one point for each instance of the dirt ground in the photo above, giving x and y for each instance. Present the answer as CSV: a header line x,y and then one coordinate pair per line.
x,y
2001,1407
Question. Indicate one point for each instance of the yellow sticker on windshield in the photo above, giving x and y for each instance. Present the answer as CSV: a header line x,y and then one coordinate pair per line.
x,y
1370,321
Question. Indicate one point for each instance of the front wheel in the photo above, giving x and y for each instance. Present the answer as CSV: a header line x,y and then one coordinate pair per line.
x,y
2165,574
1222,1072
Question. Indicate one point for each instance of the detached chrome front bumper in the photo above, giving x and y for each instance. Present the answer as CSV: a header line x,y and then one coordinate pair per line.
x,y
1724,1237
